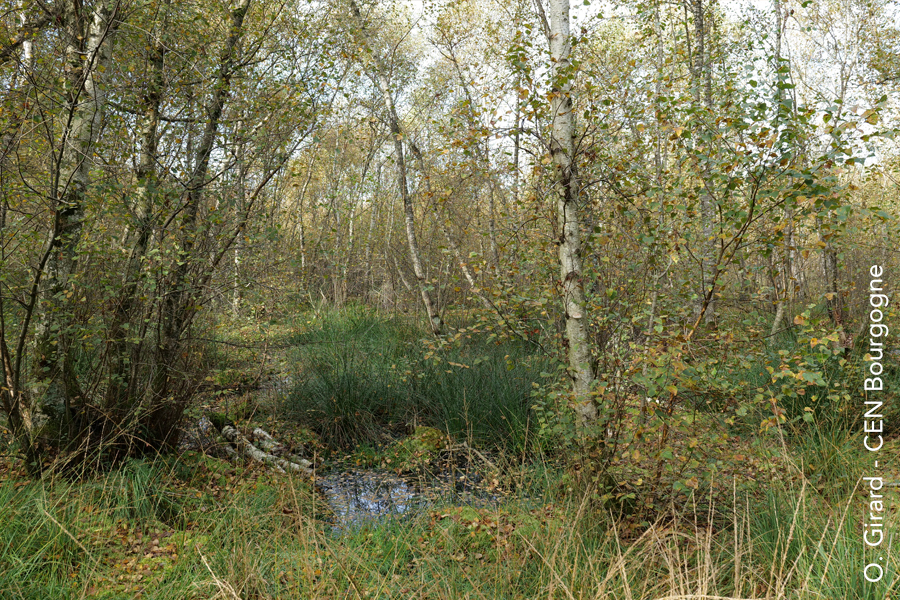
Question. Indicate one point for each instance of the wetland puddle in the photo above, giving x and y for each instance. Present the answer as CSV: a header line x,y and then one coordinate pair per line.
x,y
360,496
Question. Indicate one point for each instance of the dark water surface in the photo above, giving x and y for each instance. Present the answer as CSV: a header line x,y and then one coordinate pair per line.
x,y
358,497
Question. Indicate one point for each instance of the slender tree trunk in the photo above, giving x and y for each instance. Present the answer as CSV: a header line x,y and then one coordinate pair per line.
x,y
517,136
237,292
27,51
241,166
342,282
122,354
301,195
88,45
701,71
178,309
13,398
348,270
562,149
390,301
786,268
370,232
454,247
434,317
659,160
833,299
492,226
403,280
485,159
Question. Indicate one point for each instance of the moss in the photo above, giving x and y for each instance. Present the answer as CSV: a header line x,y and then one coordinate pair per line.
x,y
420,448
220,420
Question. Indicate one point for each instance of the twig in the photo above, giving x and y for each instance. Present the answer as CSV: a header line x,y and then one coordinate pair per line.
x,y
479,455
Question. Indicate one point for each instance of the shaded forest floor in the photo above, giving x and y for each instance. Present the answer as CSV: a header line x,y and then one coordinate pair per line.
x,y
351,390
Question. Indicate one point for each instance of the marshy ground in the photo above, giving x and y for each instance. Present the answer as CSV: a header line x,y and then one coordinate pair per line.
x,y
433,480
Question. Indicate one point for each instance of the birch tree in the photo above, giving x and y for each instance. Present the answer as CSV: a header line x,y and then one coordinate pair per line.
x,y
380,75
566,192
111,235
88,33
701,73
177,313
138,236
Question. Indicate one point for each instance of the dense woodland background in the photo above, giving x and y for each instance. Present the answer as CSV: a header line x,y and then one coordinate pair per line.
x,y
659,217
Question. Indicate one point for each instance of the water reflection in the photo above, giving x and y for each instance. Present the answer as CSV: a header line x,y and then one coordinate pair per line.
x,y
360,496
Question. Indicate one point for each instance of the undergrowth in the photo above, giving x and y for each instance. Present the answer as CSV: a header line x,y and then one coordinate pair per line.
x,y
784,521
227,533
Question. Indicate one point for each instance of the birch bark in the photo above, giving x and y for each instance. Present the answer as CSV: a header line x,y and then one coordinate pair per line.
x,y
178,312
701,71
88,48
566,190
121,383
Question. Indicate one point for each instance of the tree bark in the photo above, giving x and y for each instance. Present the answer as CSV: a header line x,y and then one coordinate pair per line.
x,y
701,71
265,450
373,215
88,44
178,309
301,226
833,298
787,238
566,190
659,161
26,33
123,355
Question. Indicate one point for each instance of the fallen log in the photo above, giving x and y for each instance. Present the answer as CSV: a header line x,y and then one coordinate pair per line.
x,y
264,440
248,449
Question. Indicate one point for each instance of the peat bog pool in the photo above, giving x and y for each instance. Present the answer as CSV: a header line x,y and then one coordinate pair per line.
x,y
367,496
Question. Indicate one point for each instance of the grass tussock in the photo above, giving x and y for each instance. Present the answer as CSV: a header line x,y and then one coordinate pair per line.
x,y
360,377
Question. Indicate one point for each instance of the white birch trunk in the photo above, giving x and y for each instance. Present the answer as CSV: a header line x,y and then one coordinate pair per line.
x,y
248,449
562,149
87,55
434,317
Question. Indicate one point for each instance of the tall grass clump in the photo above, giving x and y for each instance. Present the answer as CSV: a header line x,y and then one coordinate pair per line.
x,y
37,553
830,458
136,491
361,377
814,550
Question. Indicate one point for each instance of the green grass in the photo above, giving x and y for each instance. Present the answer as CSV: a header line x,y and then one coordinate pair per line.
x,y
819,551
360,378
96,538
257,536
